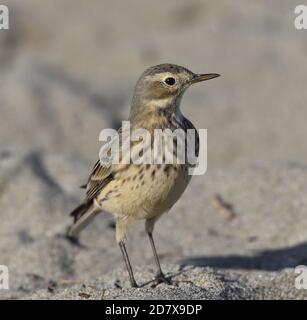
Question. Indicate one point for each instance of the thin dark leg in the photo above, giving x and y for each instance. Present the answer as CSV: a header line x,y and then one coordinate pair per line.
x,y
127,263
160,275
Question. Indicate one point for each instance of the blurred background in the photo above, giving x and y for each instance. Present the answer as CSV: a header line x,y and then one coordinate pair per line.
x,y
67,71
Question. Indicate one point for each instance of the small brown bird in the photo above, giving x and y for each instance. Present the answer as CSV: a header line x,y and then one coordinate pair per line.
x,y
143,191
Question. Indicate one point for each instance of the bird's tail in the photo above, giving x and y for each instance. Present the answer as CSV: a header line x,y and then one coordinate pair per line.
x,y
82,215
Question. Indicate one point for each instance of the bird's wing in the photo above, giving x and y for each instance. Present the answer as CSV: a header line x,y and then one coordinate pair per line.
x,y
189,125
100,176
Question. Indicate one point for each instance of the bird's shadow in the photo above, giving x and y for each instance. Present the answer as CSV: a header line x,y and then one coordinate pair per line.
x,y
266,260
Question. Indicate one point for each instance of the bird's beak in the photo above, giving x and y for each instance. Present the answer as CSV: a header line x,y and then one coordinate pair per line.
x,y
204,77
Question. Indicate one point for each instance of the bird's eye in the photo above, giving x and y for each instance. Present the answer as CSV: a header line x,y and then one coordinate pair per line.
x,y
170,81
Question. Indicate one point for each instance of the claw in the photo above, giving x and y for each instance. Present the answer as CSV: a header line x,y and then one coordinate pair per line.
x,y
134,284
160,278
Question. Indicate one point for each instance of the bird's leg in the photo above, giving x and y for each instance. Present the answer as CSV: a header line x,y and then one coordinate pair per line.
x,y
149,226
160,277
127,263
160,274
121,227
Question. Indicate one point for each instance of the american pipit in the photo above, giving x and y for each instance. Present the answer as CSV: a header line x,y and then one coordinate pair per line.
x,y
143,191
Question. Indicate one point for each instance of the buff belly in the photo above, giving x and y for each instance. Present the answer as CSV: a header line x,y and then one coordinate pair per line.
x,y
146,196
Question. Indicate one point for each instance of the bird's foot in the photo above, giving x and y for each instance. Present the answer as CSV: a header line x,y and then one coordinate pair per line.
x,y
160,278
133,283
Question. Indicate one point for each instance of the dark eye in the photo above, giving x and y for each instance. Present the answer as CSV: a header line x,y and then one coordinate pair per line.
x,y
170,81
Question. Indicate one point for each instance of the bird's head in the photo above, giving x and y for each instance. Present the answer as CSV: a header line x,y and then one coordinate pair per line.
x,y
162,86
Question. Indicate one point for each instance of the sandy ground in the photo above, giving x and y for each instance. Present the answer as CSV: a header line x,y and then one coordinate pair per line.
x,y
261,239
69,71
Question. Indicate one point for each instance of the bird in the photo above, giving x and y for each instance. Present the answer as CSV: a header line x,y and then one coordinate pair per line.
x,y
130,191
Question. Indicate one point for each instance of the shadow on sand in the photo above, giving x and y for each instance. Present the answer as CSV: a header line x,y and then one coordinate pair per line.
x,y
269,260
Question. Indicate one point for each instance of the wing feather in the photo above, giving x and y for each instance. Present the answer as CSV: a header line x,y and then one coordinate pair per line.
x,y
100,176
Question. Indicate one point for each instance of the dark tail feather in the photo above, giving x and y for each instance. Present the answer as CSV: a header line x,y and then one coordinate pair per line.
x,y
82,217
80,210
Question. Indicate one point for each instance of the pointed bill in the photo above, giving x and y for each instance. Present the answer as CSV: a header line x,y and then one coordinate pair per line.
x,y
204,77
